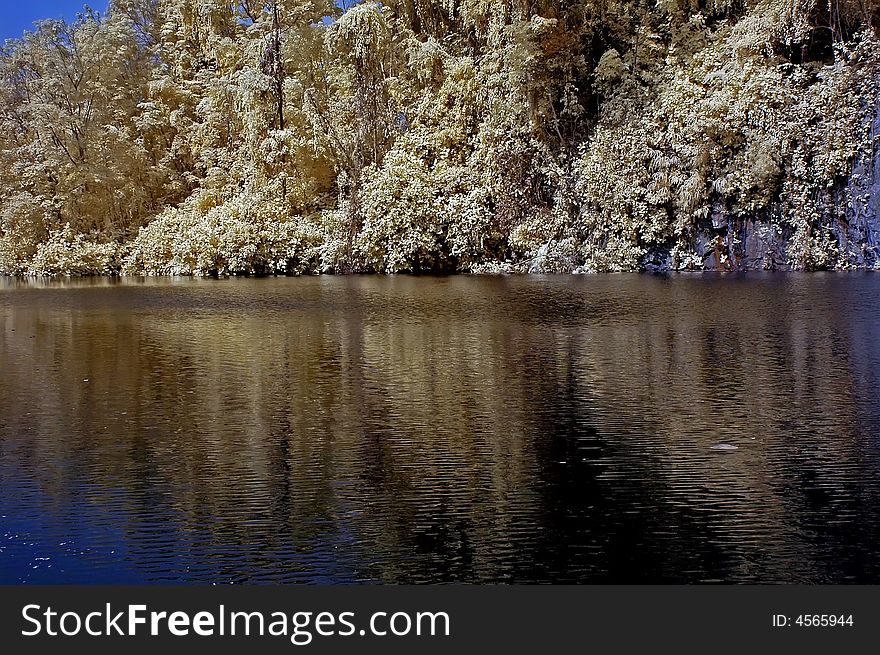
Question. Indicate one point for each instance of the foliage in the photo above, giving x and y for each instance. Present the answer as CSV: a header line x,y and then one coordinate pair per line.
x,y
68,253
289,136
239,236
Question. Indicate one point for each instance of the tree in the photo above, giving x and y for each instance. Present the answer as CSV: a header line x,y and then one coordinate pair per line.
x,y
261,136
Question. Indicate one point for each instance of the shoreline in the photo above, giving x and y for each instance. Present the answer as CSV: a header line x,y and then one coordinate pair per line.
x,y
463,274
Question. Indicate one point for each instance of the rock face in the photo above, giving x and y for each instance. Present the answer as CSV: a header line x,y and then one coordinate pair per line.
x,y
764,248
862,233
729,244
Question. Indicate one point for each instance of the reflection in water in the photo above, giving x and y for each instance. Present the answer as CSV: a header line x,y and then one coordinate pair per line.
x,y
569,429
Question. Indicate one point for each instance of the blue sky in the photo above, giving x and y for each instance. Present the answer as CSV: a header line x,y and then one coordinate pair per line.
x,y
16,16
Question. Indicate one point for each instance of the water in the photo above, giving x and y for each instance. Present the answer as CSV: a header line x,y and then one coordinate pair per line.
x,y
615,428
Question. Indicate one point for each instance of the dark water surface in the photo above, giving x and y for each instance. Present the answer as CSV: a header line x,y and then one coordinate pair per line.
x,y
566,429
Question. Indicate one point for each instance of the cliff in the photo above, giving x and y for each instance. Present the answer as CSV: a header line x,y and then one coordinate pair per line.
x,y
290,136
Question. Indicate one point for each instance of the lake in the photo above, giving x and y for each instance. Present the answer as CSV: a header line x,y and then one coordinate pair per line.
x,y
584,429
